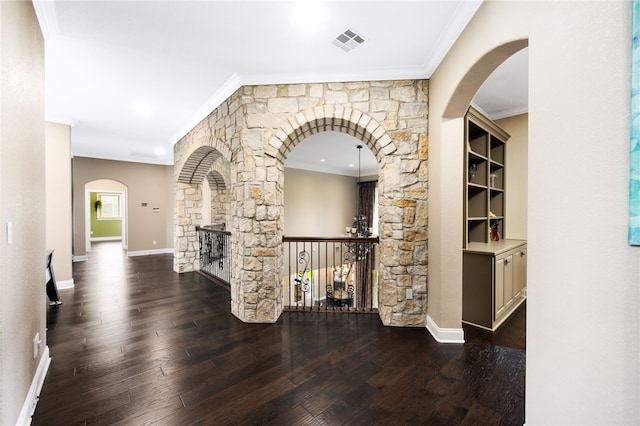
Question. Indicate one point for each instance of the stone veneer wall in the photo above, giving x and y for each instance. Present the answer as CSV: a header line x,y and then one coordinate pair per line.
x,y
255,129
220,199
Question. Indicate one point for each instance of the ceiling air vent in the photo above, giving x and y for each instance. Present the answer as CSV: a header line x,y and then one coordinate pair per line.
x,y
348,40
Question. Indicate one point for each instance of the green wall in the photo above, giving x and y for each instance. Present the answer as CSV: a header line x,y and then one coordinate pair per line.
x,y
103,228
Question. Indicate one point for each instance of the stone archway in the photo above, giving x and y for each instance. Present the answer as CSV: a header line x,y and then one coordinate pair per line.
x,y
256,128
403,213
188,207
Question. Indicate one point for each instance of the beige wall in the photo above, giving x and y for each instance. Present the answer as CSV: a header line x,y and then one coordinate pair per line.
x,y
318,204
105,185
58,200
22,202
146,183
583,294
517,172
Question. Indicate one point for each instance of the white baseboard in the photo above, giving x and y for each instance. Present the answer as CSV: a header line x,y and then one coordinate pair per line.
x,y
149,252
65,284
98,239
445,335
29,406
82,258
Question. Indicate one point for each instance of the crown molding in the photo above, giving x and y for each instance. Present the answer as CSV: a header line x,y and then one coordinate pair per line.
x,y
509,112
228,88
329,170
464,13
236,81
462,17
480,110
61,120
164,161
47,17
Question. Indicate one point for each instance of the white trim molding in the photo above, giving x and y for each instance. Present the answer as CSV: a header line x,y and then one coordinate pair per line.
x,y
460,19
228,88
64,284
29,406
444,335
47,17
82,258
149,252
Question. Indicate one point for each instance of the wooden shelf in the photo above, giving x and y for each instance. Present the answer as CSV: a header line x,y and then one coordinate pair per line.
x,y
493,272
485,188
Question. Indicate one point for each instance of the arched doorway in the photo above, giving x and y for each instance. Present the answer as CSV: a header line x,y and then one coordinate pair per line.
x,y
204,164
329,179
446,131
313,206
216,196
105,212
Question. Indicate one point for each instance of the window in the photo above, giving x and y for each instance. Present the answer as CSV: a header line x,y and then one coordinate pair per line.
x,y
110,208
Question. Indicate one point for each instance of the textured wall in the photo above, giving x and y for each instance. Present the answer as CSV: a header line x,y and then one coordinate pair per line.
x,y
58,193
22,202
583,293
146,183
255,129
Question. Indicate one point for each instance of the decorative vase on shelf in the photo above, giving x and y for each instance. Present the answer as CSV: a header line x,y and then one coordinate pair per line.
x,y
495,234
473,171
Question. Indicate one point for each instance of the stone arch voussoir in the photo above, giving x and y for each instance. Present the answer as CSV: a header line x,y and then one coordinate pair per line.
x,y
219,175
198,164
331,118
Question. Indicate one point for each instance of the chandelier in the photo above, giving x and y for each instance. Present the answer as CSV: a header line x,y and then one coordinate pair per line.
x,y
359,229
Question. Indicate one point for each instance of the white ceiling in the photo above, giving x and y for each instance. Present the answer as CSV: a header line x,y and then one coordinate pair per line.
x,y
132,77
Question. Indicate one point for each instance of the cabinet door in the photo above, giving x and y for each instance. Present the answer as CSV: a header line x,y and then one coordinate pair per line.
x,y
503,285
508,281
499,289
520,273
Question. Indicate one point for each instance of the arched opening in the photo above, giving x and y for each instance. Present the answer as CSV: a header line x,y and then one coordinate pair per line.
x,y
328,181
215,196
105,212
476,76
314,206
446,127
198,164
205,162
402,207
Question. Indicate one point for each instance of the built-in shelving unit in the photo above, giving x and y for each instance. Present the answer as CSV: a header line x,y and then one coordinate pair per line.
x,y
485,178
494,269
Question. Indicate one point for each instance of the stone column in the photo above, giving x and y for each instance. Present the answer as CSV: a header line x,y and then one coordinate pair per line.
x,y
187,215
257,218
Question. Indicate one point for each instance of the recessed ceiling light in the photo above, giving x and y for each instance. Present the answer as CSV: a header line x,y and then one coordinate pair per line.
x,y
348,41
351,165
322,160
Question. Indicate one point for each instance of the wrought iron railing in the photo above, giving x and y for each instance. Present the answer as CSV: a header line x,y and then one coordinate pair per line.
x,y
215,252
330,274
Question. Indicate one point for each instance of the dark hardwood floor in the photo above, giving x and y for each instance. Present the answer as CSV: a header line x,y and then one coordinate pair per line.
x,y
135,343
